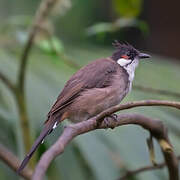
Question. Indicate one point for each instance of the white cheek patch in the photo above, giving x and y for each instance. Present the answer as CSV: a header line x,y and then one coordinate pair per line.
x,y
123,62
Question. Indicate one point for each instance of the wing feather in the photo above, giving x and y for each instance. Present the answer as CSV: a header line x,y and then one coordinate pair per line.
x,y
97,74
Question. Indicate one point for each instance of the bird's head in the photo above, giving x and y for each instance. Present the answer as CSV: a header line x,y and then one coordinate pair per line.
x,y
126,54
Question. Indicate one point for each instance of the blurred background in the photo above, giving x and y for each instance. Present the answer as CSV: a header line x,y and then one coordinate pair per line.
x,y
76,33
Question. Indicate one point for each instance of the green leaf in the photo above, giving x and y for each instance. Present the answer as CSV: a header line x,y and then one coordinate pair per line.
x,y
102,28
127,8
51,46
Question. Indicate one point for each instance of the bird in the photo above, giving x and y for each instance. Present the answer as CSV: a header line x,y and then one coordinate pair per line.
x,y
94,88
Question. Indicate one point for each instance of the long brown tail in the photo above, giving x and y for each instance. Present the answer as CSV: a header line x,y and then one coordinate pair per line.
x,y
46,130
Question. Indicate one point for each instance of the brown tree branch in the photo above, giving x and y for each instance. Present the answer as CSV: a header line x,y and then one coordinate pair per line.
x,y
13,162
7,82
24,121
18,89
41,15
133,104
131,173
155,127
156,91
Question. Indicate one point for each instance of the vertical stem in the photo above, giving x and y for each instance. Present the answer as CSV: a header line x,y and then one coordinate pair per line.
x,y
19,140
24,60
41,14
24,123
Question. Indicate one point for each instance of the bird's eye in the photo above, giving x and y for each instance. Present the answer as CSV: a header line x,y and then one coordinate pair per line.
x,y
128,54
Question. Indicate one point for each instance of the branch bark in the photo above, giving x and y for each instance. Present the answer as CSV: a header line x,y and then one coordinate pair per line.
x,y
41,15
24,121
133,104
18,89
155,127
13,162
131,173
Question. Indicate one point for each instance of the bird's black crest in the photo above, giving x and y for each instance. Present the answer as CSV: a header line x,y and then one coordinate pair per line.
x,y
123,49
123,46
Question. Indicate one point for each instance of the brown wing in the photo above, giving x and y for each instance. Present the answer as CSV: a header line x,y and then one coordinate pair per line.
x,y
95,75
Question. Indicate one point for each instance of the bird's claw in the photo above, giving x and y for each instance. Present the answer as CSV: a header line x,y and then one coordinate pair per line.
x,y
106,119
113,116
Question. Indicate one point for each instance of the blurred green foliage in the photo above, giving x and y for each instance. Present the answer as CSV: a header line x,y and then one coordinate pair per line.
x,y
51,46
103,29
126,17
128,8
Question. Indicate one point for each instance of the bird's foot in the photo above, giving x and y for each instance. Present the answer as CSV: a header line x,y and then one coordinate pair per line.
x,y
113,116
107,120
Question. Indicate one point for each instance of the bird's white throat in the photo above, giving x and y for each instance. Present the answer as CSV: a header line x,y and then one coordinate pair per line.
x,y
129,67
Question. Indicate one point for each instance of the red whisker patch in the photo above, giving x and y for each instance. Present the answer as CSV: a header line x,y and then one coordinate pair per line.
x,y
125,57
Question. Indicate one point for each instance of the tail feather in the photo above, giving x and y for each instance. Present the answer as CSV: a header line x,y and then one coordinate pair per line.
x,y
47,130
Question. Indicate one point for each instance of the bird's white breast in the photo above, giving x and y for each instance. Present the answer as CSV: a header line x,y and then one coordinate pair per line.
x,y
130,69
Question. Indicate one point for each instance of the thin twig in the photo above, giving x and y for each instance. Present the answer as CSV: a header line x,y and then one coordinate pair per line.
x,y
41,15
156,91
62,56
131,173
7,82
24,121
129,105
13,162
155,127
24,59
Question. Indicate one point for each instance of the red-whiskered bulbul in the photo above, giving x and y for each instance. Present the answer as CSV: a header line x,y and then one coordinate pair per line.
x,y
94,88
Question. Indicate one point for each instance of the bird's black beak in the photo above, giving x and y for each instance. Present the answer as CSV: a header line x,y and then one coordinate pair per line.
x,y
143,55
